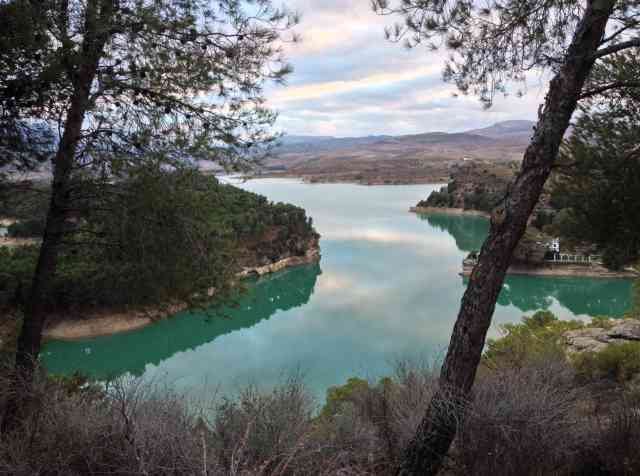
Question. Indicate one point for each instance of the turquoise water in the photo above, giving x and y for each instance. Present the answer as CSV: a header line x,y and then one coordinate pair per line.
x,y
387,287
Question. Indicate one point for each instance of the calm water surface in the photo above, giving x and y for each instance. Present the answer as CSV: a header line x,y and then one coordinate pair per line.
x,y
387,287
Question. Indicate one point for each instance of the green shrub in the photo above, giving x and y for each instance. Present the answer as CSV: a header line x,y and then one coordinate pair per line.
x,y
341,395
619,362
538,337
26,229
615,257
542,219
438,198
17,265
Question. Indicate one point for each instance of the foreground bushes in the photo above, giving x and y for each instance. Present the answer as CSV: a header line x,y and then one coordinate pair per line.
x,y
534,412
532,420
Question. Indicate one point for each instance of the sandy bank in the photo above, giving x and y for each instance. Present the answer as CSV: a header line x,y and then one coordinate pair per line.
x,y
6,241
90,324
449,211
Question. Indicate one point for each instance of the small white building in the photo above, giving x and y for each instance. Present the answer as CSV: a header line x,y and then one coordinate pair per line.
x,y
554,245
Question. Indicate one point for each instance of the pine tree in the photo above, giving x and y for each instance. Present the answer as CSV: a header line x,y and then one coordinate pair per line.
x,y
128,80
493,45
598,183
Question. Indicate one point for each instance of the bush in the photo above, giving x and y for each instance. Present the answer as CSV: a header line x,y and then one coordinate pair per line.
x,y
521,422
542,219
32,228
616,258
438,198
617,362
17,265
537,338
482,200
524,421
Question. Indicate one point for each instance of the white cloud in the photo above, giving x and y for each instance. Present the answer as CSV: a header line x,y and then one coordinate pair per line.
x,y
349,80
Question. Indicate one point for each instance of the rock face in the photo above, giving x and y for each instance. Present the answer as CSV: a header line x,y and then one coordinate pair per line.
x,y
278,247
596,339
311,254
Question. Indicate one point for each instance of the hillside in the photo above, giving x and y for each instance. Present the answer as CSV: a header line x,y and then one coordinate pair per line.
x,y
416,158
164,237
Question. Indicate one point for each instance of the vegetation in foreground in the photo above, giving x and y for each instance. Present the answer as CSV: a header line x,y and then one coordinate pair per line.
x,y
534,412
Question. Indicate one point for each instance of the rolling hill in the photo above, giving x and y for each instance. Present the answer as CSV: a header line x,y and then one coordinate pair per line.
x,y
416,158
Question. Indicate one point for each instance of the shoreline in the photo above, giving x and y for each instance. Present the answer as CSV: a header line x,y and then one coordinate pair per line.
x,y
319,180
449,211
545,269
100,323
562,270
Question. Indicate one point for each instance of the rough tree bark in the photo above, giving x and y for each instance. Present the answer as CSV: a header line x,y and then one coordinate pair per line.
x,y
30,339
426,451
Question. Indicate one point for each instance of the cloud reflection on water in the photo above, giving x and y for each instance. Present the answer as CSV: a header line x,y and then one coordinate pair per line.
x,y
389,288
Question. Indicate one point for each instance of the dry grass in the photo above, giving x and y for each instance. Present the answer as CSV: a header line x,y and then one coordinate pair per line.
x,y
530,421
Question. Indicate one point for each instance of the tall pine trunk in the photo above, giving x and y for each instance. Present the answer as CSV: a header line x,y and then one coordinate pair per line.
x,y
30,339
426,451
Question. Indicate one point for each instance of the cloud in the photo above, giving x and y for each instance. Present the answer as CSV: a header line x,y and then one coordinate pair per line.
x,y
350,81
329,88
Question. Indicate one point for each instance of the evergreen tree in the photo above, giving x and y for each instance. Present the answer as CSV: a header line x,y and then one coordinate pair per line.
x,y
493,45
127,80
598,184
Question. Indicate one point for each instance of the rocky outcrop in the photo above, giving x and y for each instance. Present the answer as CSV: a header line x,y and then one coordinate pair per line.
x,y
474,185
310,255
448,211
276,248
595,339
480,185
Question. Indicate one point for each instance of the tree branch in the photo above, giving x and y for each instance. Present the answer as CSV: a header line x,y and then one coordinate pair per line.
x,y
635,43
606,87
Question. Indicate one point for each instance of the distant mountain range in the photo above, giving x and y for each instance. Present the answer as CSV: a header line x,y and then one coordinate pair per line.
x,y
500,131
396,159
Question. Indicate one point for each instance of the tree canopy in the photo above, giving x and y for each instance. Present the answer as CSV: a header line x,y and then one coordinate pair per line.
x,y
124,82
180,77
492,45
157,237
598,183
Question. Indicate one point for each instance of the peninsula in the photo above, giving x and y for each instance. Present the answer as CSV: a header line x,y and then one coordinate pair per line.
x,y
476,187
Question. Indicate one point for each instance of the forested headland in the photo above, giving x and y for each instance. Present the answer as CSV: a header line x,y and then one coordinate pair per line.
x,y
155,238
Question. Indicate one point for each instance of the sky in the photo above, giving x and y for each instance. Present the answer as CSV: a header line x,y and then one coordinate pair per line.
x,y
349,81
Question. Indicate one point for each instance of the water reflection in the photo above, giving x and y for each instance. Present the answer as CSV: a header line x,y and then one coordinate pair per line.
x,y
132,352
390,288
467,230
582,296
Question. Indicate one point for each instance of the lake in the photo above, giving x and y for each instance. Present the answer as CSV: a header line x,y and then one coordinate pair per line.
x,y
387,288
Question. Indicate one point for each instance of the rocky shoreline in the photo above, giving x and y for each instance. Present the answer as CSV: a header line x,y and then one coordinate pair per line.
x,y
351,179
563,270
547,269
596,339
449,211
91,324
